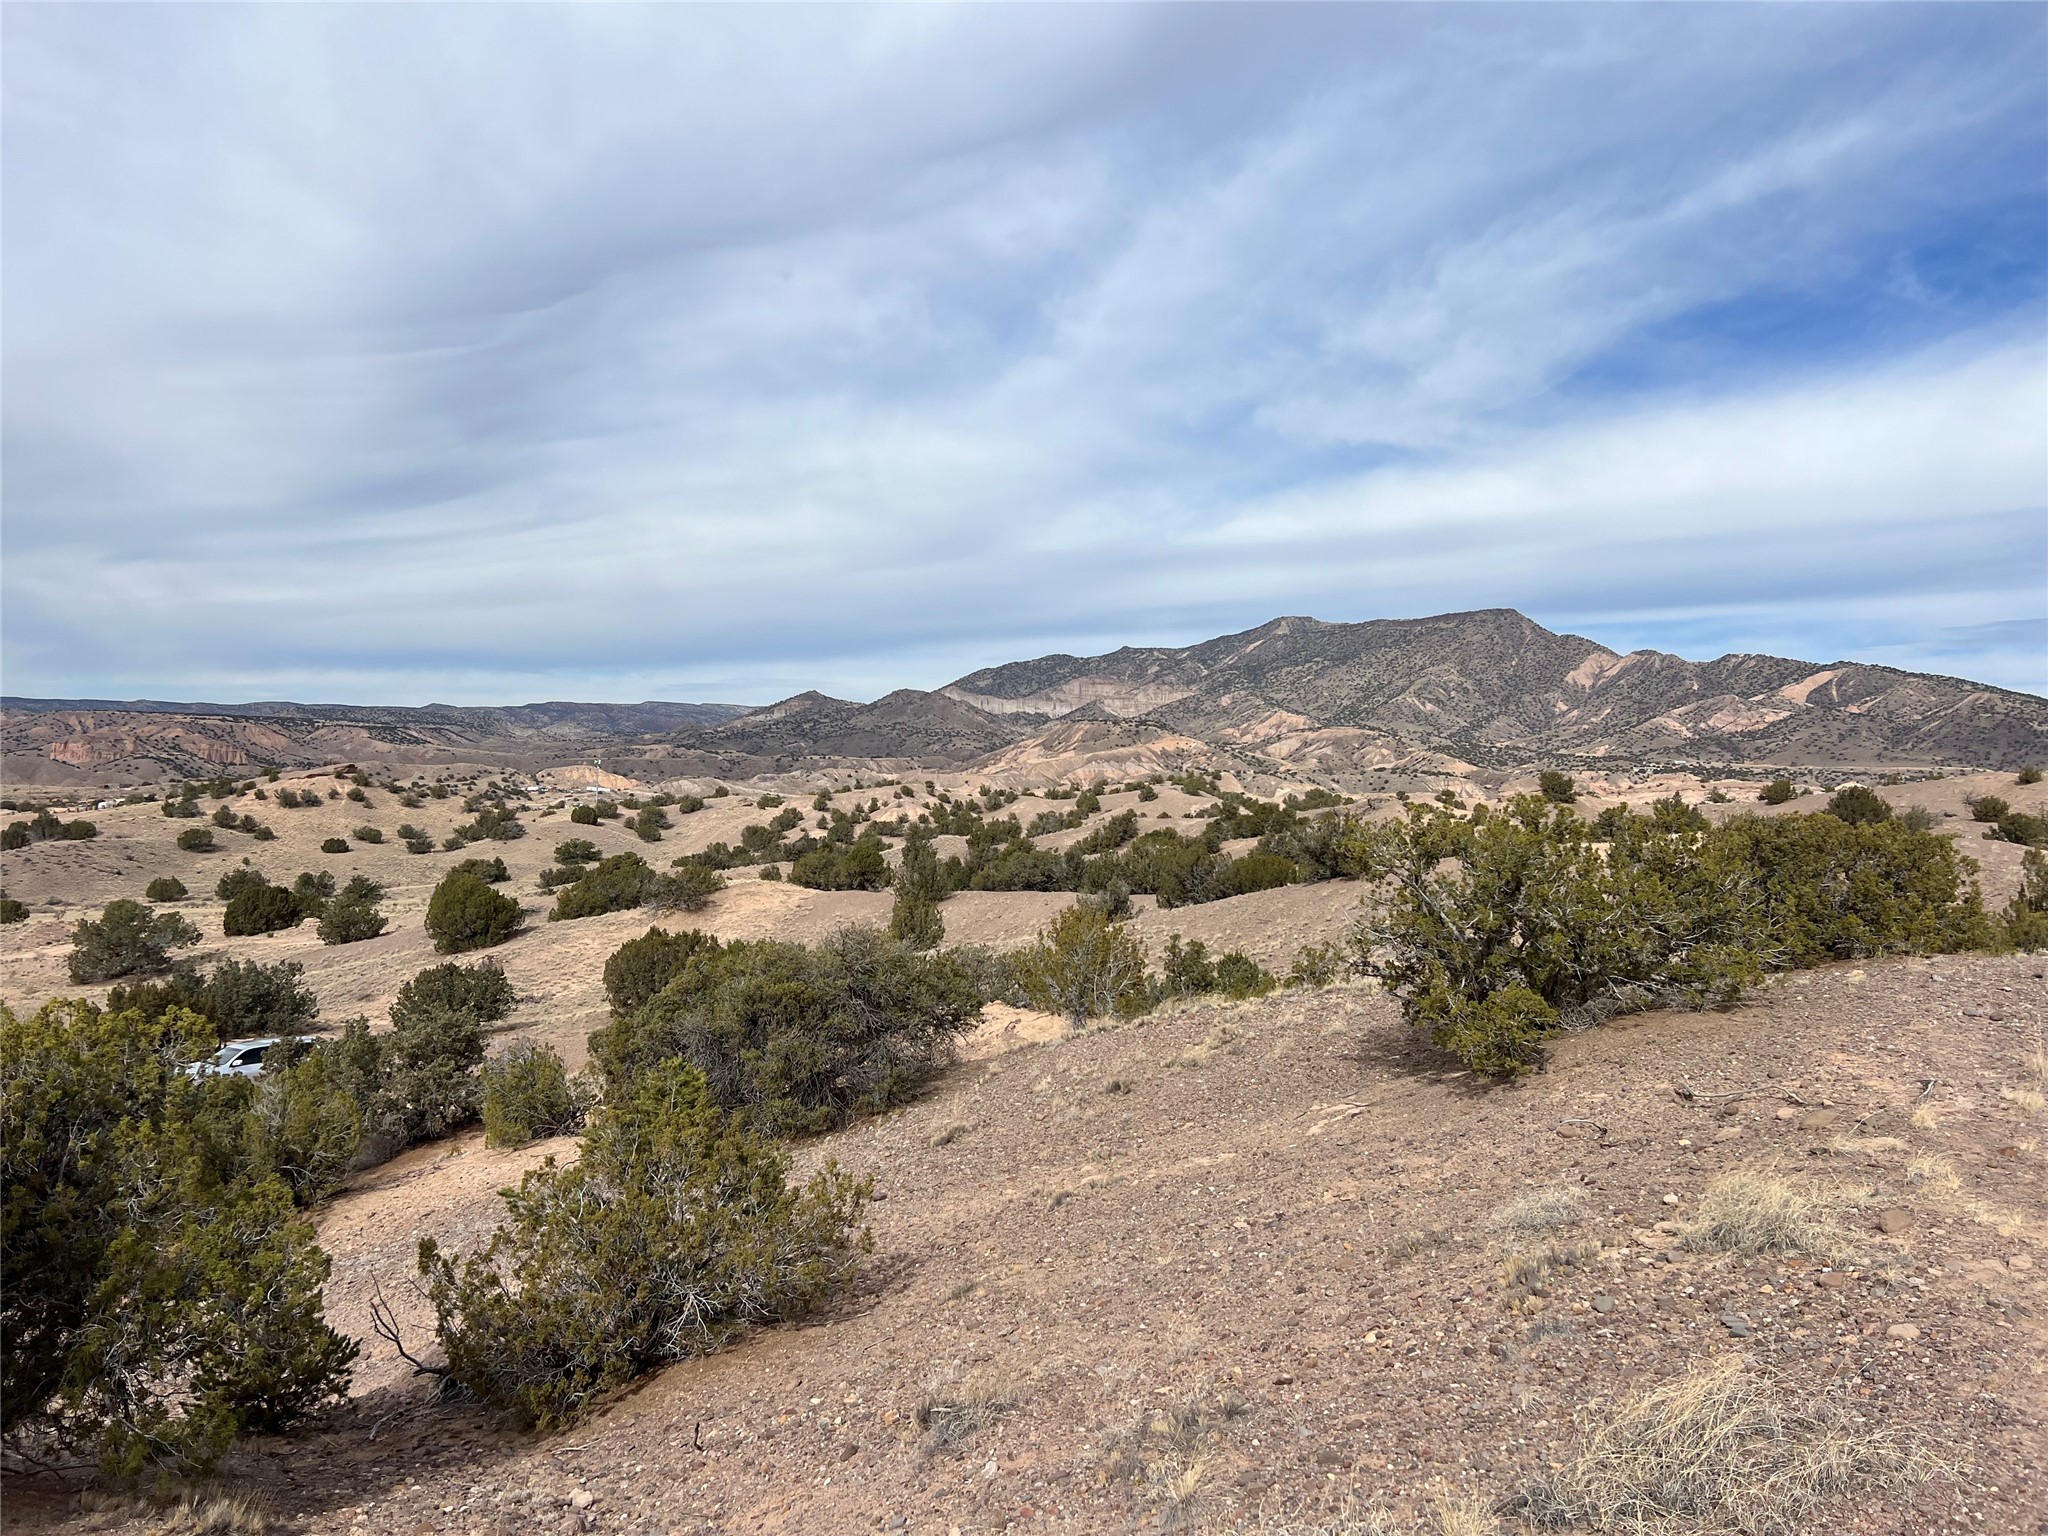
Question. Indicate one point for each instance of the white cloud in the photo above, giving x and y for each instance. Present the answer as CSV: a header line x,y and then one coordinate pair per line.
x,y
406,353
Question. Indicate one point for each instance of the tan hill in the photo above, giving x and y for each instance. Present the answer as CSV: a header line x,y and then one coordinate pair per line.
x,y
90,741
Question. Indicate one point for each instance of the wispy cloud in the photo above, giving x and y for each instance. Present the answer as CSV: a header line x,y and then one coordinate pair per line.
x,y
483,353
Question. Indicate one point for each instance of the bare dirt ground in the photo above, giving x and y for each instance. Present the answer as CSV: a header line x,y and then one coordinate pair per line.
x,y
1279,1217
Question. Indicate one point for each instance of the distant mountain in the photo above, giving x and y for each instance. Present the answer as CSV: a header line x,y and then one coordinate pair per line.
x,y
606,719
1497,683
70,741
1490,688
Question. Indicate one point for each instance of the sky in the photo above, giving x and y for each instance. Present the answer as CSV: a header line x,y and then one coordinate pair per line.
x,y
483,354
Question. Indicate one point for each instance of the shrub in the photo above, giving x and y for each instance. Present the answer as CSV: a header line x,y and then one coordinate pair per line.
x,y
236,881
12,911
159,1298
1988,808
583,815
129,939
1494,929
577,850
1917,818
497,822
2019,827
650,824
527,1095
79,831
261,908
244,998
1777,792
673,1233
367,835
1317,965
419,845
356,794
479,992
430,1085
334,845
689,889
859,866
1557,787
312,891
491,871
2028,775
2026,915
306,1127
617,884
353,916
15,836
640,968
800,1038
224,818
196,840
1084,966
464,914
1187,971
165,888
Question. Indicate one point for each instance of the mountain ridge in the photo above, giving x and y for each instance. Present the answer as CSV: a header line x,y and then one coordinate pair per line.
x,y
1297,694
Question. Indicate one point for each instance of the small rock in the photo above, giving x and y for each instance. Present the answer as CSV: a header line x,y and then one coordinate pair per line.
x,y
848,1451
1788,1113
2019,1261
1603,1304
1671,1199
1819,1119
1728,1133
1329,1456
988,1468
582,1498
1832,1280
1893,1220
1283,1380
1904,1332
1736,1324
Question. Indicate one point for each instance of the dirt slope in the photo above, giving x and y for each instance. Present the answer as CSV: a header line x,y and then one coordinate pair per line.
x,y
1278,1216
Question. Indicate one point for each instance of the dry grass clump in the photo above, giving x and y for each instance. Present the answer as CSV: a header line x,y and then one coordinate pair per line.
x,y
1933,1172
211,1512
946,1135
1756,1213
1720,1450
1219,1039
954,1411
1541,1210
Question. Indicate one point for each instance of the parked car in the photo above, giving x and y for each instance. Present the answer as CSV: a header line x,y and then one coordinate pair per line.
x,y
238,1058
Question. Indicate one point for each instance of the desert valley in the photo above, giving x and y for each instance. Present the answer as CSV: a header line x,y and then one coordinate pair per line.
x,y
1239,1250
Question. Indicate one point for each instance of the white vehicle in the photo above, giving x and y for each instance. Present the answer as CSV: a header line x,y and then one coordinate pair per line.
x,y
238,1058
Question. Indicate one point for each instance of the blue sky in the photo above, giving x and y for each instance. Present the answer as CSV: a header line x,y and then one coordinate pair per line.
x,y
492,353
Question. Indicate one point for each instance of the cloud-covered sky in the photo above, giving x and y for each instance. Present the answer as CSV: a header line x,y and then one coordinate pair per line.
x,y
491,353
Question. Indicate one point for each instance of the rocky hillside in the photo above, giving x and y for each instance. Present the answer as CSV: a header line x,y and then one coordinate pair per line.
x,y
1494,682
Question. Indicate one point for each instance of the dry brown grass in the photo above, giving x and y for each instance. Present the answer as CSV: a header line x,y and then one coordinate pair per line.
x,y
1719,1449
217,1512
946,1135
954,1411
1753,1213
1541,1210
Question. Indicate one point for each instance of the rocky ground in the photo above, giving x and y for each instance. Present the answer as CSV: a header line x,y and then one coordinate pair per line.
x,y
1251,1264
